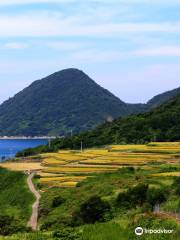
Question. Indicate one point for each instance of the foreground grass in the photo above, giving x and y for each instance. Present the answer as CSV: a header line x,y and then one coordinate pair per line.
x,y
29,236
15,198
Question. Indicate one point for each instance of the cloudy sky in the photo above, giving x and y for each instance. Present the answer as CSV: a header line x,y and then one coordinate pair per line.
x,y
131,47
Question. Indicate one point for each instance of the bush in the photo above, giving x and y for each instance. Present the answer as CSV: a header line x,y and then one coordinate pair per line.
x,y
134,196
93,210
156,196
57,201
67,234
176,185
8,225
123,200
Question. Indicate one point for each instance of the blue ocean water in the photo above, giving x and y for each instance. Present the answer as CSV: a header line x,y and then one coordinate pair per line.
x,y
9,147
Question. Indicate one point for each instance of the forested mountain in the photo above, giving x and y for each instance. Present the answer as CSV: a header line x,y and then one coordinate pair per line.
x,y
63,103
58,104
163,97
160,124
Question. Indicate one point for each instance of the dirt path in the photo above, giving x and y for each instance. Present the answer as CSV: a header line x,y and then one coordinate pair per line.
x,y
165,215
34,217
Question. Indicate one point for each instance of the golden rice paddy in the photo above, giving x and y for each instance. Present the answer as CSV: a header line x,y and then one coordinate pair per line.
x,y
63,168
79,169
167,174
22,166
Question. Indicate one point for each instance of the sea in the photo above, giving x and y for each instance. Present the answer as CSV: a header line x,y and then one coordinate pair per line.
x,y
9,147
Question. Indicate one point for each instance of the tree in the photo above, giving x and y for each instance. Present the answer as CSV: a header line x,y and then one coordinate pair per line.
x,y
156,196
94,210
134,196
8,225
57,201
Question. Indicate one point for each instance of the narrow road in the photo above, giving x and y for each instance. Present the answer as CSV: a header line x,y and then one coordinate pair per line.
x,y
166,215
34,217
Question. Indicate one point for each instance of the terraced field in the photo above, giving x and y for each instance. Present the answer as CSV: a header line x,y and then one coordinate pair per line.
x,y
67,168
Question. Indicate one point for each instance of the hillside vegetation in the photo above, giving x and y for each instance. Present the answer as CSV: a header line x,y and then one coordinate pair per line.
x,y
15,202
163,97
64,101
160,124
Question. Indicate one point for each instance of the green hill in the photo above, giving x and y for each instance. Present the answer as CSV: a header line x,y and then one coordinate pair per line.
x,y
64,101
160,124
162,98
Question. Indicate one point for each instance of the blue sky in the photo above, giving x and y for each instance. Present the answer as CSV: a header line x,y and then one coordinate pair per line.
x,y
131,47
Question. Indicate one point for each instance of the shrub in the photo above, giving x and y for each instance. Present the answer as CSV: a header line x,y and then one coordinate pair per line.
x,y
134,196
93,210
8,225
156,196
176,185
67,234
57,201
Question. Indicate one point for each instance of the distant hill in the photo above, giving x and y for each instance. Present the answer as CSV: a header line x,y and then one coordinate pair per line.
x,y
60,103
160,124
162,98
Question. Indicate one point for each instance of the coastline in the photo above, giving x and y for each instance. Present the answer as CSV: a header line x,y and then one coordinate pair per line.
x,y
26,138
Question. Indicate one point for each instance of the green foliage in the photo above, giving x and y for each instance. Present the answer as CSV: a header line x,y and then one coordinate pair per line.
x,y
151,222
176,185
15,197
9,225
104,231
156,196
30,236
133,196
93,210
104,185
164,97
57,201
161,124
67,234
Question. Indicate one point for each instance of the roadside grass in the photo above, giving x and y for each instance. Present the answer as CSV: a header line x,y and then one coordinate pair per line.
x,y
104,231
29,236
15,198
171,205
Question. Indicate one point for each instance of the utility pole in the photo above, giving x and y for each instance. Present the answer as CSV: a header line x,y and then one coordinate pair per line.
x,y
49,142
81,146
71,132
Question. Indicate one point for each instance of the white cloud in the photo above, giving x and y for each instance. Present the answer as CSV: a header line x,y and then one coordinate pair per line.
x,y
165,51
66,45
15,2
48,24
15,45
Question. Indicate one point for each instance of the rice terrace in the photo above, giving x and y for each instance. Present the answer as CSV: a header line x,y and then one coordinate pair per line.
x,y
67,168
111,172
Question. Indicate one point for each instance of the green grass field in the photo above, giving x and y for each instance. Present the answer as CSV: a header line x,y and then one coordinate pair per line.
x,y
15,198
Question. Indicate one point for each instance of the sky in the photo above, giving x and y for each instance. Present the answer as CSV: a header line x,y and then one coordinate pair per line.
x,y
130,47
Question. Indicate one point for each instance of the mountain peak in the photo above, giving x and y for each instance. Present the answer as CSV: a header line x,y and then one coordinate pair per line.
x,y
68,72
65,100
